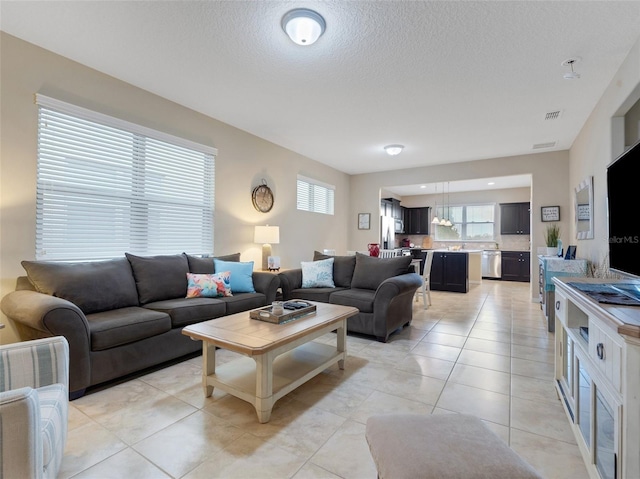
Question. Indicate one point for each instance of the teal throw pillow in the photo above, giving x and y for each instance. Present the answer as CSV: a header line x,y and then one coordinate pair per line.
x,y
317,274
241,274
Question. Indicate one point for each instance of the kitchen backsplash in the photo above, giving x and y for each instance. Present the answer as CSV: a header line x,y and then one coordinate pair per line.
x,y
506,242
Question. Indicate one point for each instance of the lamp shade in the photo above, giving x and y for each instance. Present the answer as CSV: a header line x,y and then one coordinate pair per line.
x,y
303,26
267,234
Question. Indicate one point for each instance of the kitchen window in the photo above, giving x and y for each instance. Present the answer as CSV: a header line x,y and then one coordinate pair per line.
x,y
315,196
106,186
470,223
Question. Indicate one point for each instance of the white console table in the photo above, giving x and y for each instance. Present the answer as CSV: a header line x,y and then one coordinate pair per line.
x,y
597,364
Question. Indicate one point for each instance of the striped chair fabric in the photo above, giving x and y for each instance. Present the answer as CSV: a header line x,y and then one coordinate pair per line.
x,y
34,383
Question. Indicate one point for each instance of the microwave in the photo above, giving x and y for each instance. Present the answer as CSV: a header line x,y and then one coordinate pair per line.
x,y
399,226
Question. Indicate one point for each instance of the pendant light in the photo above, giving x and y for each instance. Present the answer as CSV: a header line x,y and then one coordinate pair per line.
x,y
448,222
443,221
435,220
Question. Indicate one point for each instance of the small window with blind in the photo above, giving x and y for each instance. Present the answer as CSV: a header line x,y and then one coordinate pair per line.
x,y
315,196
106,186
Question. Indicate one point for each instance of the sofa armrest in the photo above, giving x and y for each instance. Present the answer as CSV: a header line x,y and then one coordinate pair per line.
x,y
38,315
21,434
290,280
35,364
396,286
267,284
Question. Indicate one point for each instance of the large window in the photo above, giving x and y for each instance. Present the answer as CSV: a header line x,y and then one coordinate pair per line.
x,y
470,223
315,196
106,186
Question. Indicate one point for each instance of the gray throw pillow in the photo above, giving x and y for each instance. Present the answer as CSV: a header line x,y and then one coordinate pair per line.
x,y
200,265
93,286
159,277
343,267
371,271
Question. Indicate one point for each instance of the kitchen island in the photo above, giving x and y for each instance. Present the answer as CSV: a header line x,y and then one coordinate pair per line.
x,y
453,270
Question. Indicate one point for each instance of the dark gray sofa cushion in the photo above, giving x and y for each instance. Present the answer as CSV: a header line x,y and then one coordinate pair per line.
x,y
159,277
358,298
185,311
205,265
244,301
371,271
92,286
343,267
109,329
314,294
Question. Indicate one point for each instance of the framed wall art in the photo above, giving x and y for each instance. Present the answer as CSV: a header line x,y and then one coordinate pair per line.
x,y
364,221
550,213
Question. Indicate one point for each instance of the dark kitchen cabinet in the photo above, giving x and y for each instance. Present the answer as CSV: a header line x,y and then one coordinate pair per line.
x,y
386,208
396,209
450,272
516,266
417,221
515,218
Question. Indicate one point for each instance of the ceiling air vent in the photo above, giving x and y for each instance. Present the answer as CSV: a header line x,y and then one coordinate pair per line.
x,y
538,146
553,115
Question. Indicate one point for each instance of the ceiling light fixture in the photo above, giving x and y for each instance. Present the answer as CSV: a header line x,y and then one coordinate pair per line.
x,y
393,150
572,75
303,26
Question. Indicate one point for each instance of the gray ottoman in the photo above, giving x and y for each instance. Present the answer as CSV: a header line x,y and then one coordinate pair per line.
x,y
412,446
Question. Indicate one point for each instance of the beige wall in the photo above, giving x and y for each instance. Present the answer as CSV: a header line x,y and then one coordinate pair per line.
x,y
242,161
599,142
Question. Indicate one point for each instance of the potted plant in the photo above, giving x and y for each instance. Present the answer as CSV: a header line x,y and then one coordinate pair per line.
x,y
551,237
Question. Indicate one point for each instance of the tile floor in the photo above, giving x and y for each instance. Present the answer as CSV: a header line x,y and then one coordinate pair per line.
x,y
486,353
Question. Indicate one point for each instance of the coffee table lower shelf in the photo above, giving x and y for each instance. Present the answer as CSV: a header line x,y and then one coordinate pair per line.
x,y
289,370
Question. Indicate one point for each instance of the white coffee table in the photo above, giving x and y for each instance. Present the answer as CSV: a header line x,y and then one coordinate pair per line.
x,y
279,357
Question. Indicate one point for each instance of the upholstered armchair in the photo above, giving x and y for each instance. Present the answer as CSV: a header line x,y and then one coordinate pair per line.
x,y
34,402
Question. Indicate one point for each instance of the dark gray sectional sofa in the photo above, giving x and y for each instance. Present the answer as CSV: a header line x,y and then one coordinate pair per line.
x,y
123,315
381,288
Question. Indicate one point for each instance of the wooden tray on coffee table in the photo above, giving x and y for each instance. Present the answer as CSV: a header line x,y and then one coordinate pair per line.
x,y
266,313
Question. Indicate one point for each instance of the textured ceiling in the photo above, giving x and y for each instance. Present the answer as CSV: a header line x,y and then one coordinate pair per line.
x,y
453,81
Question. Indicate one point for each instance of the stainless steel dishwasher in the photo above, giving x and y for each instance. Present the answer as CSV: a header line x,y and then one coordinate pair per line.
x,y
492,264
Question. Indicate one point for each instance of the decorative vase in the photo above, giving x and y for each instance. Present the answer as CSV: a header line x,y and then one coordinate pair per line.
x,y
552,251
374,249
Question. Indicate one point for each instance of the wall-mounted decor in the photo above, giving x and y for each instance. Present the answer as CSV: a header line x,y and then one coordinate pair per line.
x,y
550,213
364,221
584,209
262,197
583,212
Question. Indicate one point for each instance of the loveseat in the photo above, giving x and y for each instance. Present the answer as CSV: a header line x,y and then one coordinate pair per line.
x,y
123,315
381,288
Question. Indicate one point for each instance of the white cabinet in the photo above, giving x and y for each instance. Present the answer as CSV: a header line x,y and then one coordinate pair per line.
x,y
596,370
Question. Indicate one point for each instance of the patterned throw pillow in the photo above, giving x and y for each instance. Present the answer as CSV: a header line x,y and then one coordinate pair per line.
x,y
317,274
209,285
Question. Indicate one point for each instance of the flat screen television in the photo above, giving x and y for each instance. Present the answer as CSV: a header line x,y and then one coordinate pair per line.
x,y
623,197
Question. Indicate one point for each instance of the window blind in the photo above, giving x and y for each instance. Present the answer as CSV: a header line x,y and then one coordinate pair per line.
x,y
315,196
106,187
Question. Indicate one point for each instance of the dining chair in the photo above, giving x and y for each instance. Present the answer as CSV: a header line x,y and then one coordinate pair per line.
x,y
425,289
387,253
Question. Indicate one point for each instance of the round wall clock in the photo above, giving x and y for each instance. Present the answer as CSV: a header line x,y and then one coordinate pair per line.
x,y
262,198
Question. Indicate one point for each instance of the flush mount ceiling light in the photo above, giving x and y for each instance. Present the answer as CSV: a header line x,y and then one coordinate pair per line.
x,y
303,26
393,150
572,75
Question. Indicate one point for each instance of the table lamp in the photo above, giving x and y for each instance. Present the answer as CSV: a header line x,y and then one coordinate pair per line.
x,y
266,235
